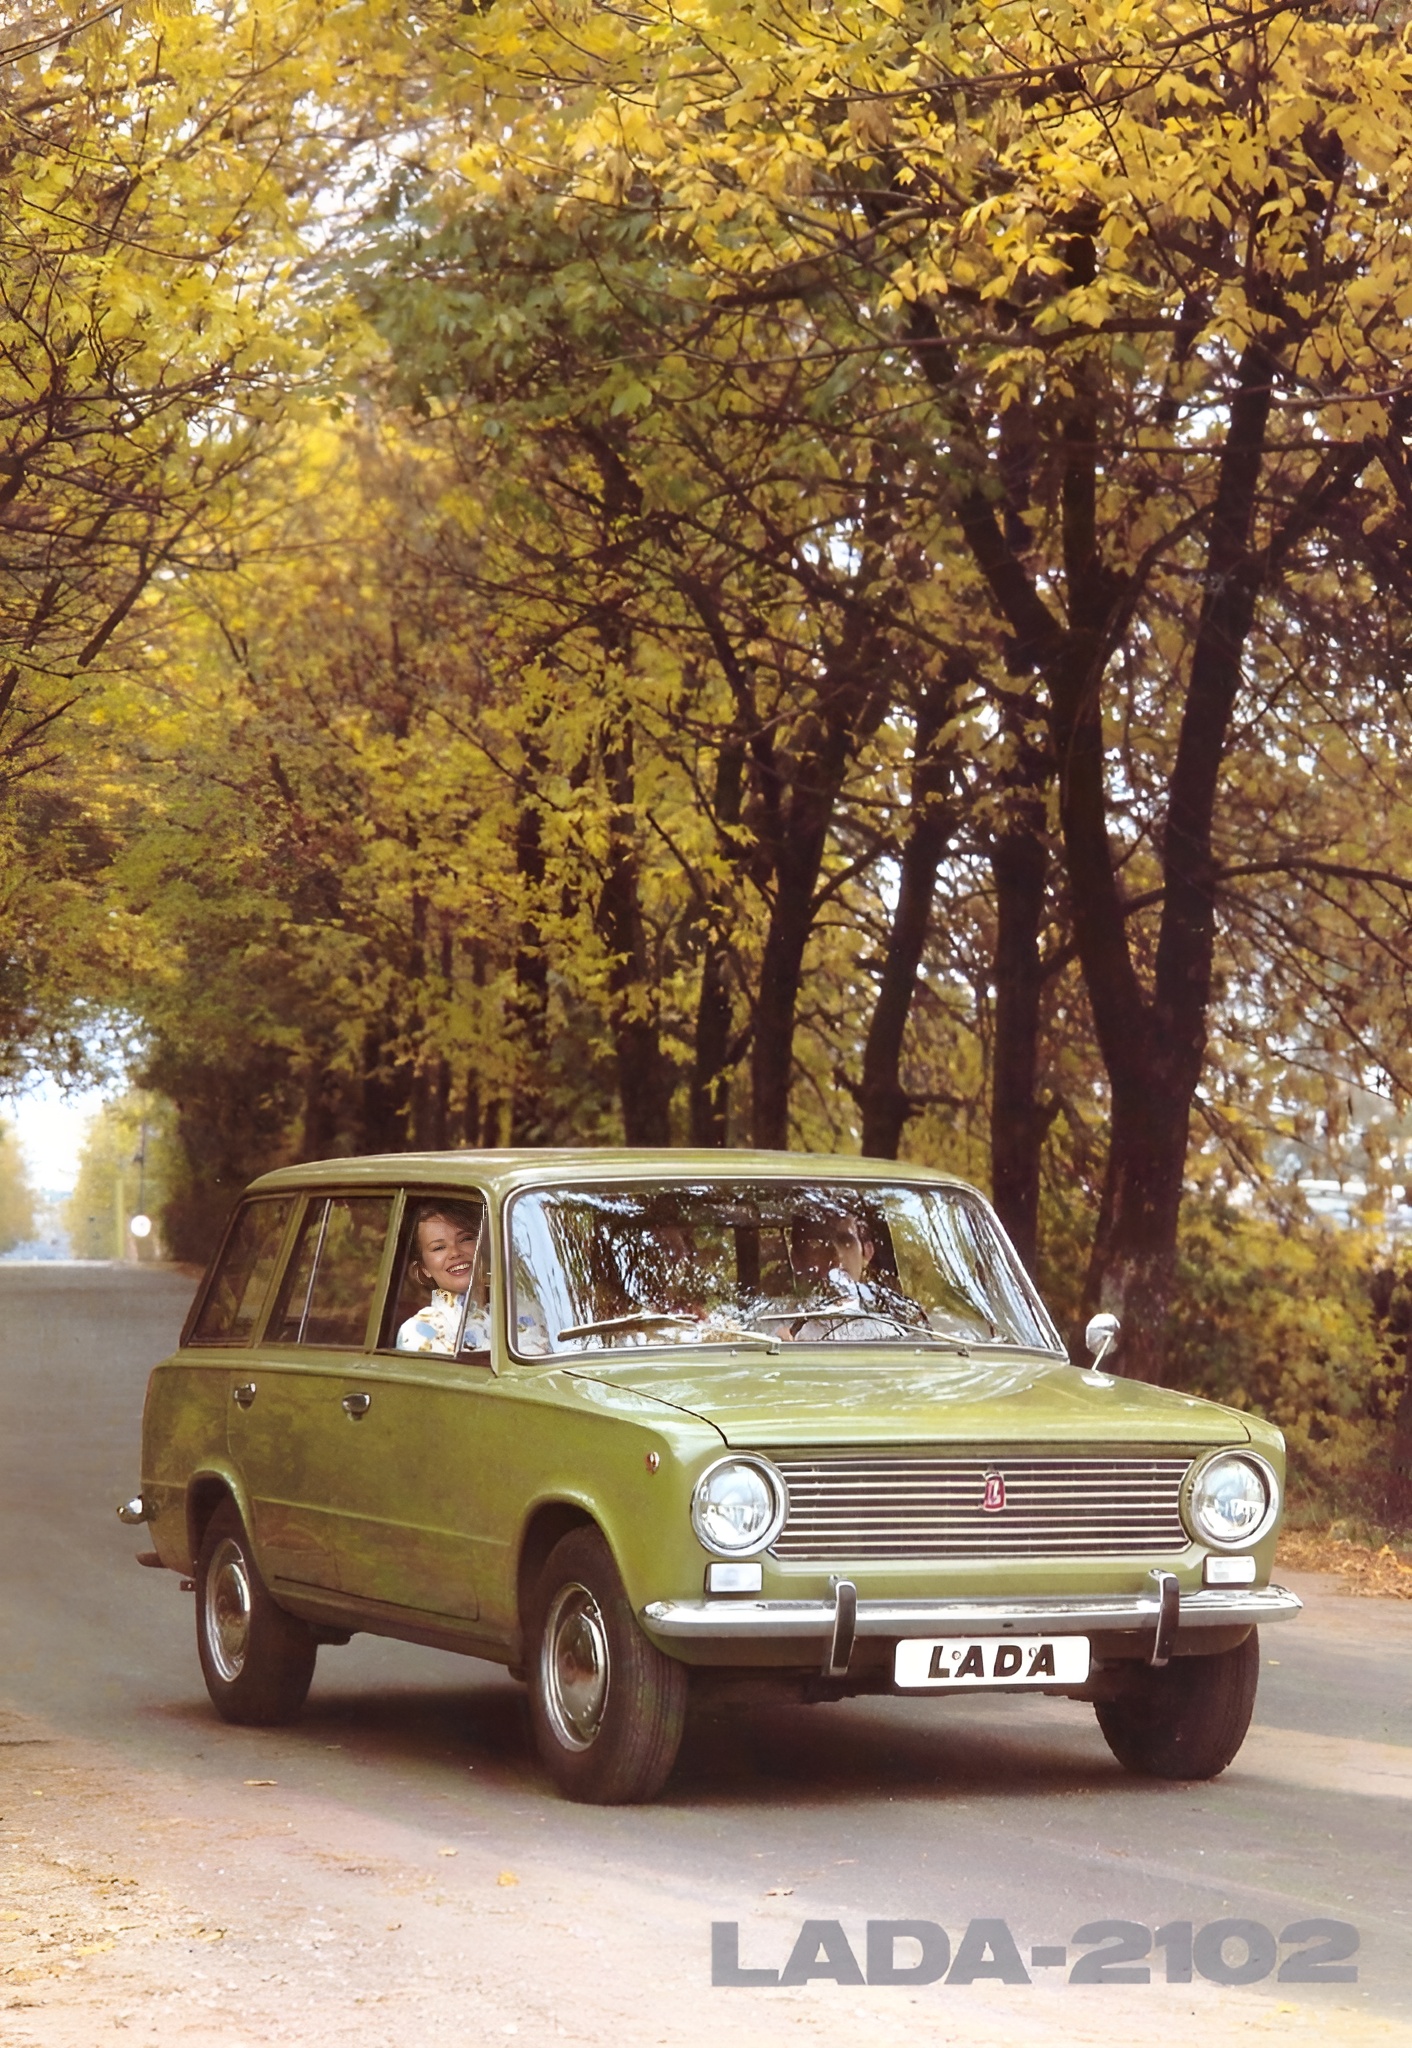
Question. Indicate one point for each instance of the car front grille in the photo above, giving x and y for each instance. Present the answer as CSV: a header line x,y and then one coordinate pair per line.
x,y
860,1507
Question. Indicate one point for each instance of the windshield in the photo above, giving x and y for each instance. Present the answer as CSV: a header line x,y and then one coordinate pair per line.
x,y
772,1262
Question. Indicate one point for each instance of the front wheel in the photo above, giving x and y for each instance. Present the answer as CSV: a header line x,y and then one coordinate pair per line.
x,y
607,1706
257,1661
1186,1720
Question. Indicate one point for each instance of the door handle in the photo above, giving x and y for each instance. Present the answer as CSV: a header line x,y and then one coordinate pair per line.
x,y
357,1405
243,1395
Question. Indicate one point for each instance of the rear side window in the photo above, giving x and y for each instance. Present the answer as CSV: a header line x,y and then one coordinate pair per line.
x,y
333,1273
243,1275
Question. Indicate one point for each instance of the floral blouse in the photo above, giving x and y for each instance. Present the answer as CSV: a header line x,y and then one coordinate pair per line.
x,y
434,1327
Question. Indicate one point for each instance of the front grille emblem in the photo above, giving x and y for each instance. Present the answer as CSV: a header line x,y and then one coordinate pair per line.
x,y
993,1499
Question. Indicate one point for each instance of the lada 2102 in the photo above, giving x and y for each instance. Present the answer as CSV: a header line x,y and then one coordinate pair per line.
x,y
637,1424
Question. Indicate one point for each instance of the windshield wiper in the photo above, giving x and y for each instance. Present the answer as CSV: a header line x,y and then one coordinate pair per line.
x,y
640,1319
651,1319
907,1333
732,1333
708,1333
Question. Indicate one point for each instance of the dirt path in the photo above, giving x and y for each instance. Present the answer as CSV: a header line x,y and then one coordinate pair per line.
x,y
145,1910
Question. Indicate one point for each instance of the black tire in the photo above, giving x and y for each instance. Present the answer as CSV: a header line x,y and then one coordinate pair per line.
x,y
1186,1720
607,1706
257,1660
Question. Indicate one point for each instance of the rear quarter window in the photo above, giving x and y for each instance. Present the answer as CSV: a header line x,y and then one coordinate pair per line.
x,y
230,1308
333,1273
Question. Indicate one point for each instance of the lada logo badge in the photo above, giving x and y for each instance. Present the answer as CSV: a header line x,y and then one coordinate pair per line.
x,y
993,1499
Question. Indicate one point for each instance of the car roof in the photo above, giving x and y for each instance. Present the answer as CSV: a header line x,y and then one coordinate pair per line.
x,y
528,1166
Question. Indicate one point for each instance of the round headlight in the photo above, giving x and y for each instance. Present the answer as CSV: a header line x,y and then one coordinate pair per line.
x,y
738,1506
1233,1500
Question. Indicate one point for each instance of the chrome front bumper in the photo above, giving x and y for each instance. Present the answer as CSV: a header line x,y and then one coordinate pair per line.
x,y
1047,1615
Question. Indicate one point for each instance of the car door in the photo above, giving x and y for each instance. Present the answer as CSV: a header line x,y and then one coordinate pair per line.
x,y
291,1417
408,1471
216,1355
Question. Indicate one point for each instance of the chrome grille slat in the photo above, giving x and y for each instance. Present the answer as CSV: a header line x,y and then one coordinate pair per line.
x,y
882,1507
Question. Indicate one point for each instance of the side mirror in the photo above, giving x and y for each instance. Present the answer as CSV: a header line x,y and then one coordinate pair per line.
x,y
1101,1335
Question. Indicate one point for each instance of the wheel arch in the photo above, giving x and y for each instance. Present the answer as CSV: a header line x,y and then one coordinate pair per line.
x,y
551,1520
204,1494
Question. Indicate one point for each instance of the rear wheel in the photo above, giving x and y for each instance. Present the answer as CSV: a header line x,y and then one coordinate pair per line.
x,y
607,1705
1186,1720
257,1660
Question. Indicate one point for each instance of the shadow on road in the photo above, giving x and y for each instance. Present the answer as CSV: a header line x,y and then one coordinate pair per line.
x,y
797,1755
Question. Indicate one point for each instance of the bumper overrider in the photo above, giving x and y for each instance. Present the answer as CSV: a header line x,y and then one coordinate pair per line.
x,y
1160,1616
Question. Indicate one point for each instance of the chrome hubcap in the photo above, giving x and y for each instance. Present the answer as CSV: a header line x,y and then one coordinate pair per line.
x,y
228,1609
574,1666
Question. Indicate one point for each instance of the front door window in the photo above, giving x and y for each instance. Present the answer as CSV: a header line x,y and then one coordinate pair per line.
x,y
441,1304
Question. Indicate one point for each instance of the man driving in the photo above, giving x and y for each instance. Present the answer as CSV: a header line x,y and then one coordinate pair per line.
x,y
822,1247
832,1256
833,1266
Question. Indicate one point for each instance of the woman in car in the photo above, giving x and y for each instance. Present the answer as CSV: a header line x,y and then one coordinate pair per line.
x,y
445,1257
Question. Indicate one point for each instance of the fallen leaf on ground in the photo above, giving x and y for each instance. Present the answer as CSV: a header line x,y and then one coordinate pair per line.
x,y
507,1877
1371,1573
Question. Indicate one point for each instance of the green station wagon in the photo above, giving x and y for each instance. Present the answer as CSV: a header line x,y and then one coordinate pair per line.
x,y
645,1425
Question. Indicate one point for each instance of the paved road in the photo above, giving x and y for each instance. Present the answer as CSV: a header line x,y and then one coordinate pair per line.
x,y
1004,1809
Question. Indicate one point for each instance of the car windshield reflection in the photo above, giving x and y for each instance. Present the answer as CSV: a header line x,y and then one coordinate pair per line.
x,y
765,1264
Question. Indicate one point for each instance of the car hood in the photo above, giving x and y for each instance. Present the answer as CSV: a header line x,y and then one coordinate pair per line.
x,y
1017,1399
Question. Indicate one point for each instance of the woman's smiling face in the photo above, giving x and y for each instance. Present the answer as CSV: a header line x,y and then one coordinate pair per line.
x,y
446,1252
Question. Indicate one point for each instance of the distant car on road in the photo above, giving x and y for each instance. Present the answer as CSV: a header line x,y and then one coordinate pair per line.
x,y
639,1424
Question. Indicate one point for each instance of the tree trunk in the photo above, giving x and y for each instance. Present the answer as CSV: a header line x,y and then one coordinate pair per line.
x,y
320,1124
479,1119
431,1088
1018,861
708,1099
797,864
391,1081
884,1102
1155,1058
644,1073
1392,1301
529,1006
853,699
709,1082
431,1100
1154,1048
387,1090
1399,1495
1132,1269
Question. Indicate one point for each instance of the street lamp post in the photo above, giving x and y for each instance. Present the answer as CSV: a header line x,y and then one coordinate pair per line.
x,y
140,1223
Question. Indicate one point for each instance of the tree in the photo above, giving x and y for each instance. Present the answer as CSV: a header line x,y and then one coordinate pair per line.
x,y
1137,278
17,1215
157,172
722,574
125,1169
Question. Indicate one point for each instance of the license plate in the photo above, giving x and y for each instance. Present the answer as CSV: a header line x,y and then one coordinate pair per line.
x,y
993,1660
